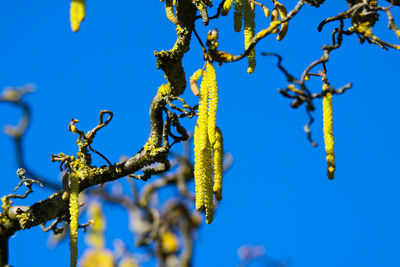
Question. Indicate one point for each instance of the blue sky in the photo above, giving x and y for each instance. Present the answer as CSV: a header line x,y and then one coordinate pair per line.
x,y
276,194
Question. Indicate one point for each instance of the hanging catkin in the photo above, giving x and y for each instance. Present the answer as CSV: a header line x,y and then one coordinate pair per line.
x,y
328,132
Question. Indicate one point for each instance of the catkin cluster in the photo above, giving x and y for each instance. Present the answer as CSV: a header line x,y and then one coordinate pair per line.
x,y
208,146
77,14
328,132
243,11
74,212
281,10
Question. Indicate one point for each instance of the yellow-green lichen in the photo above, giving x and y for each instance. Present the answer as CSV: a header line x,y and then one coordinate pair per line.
x,y
164,89
5,205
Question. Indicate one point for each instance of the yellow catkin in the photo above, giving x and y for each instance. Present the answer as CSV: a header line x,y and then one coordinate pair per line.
x,y
201,143
213,102
96,258
169,11
193,81
218,148
211,127
77,14
208,188
169,243
226,7
95,236
197,75
199,177
249,32
284,26
202,121
128,262
74,212
238,15
266,11
328,133
274,18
